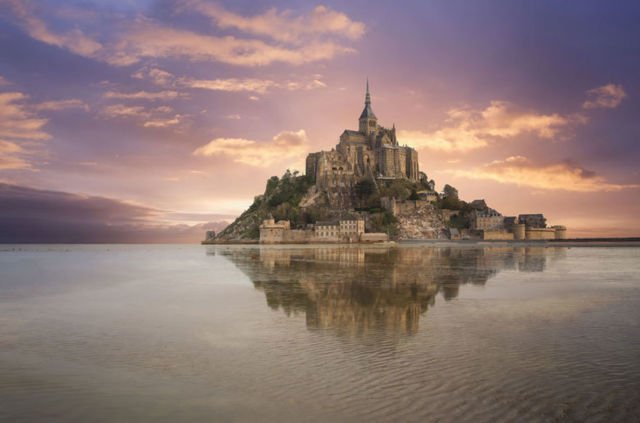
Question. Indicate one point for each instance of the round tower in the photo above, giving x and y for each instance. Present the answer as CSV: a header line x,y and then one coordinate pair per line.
x,y
368,121
560,232
519,231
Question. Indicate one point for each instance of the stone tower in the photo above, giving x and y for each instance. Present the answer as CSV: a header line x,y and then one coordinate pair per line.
x,y
368,120
370,152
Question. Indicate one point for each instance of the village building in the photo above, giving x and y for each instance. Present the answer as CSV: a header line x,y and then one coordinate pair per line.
x,y
338,231
533,220
429,196
487,220
343,230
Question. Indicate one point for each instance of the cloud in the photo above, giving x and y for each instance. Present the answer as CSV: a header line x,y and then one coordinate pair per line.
x,y
256,85
284,146
144,95
565,176
163,123
155,75
157,117
163,78
7,147
42,216
451,139
260,86
313,84
13,163
605,97
143,38
147,39
10,156
75,40
3,81
17,121
56,105
19,127
501,120
282,26
467,129
232,84
122,110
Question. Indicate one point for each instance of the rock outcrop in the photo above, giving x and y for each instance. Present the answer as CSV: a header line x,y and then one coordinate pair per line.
x,y
422,221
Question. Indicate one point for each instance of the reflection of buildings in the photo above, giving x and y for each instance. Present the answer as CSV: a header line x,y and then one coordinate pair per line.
x,y
360,291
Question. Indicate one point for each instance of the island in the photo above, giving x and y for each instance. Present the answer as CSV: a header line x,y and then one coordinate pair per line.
x,y
367,189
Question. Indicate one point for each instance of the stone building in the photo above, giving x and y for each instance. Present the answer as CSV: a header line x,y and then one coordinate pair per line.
x,y
342,230
371,151
533,220
427,195
272,231
327,230
487,220
339,231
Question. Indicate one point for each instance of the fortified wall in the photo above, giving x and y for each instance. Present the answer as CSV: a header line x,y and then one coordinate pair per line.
x,y
519,232
333,232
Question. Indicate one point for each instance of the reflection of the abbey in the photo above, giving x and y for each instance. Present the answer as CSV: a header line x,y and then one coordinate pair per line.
x,y
358,291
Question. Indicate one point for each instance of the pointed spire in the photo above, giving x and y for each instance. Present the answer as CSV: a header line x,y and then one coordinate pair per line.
x,y
367,113
367,98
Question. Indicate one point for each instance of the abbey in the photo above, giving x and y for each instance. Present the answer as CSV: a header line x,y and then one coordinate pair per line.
x,y
372,151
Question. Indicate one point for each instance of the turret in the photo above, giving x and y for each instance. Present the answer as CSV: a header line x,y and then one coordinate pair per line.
x,y
394,139
368,120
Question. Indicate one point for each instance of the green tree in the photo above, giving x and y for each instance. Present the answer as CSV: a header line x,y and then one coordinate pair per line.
x,y
450,192
272,183
399,189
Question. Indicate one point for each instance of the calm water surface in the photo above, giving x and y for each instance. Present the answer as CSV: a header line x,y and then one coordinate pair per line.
x,y
414,333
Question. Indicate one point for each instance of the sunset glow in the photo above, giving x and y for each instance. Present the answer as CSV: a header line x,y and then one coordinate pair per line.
x,y
151,121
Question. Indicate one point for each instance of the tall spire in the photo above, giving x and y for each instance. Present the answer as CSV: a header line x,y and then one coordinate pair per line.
x,y
367,98
367,113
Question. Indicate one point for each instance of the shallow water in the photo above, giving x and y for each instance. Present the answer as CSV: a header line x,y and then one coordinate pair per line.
x,y
414,333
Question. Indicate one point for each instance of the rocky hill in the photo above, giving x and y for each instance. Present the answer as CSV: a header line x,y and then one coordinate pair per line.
x,y
296,198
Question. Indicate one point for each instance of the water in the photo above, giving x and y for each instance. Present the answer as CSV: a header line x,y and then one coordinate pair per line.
x,y
415,333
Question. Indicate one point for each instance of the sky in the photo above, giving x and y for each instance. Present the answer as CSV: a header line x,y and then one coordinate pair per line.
x,y
149,121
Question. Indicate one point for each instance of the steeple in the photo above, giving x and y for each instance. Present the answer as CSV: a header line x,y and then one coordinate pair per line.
x,y
367,97
368,119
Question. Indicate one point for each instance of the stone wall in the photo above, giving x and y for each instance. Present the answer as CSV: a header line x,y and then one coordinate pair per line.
x,y
285,236
490,235
540,233
413,169
271,235
374,237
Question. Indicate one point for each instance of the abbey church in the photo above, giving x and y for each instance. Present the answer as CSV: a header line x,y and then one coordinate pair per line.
x,y
372,151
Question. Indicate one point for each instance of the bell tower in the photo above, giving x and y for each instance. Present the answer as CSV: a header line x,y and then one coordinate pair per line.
x,y
368,121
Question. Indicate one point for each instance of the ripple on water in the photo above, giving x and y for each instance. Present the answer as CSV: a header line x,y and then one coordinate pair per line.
x,y
290,337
